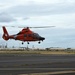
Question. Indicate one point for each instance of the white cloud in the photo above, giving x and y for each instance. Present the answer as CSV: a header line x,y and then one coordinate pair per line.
x,y
41,9
5,17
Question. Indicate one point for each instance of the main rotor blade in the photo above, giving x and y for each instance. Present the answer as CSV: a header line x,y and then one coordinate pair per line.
x,y
31,27
42,27
34,27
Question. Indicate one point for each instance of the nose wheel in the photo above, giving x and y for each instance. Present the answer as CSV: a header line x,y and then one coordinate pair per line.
x,y
39,42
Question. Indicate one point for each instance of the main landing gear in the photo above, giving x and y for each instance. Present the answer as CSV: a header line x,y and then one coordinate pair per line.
x,y
27,42
39,42
23,43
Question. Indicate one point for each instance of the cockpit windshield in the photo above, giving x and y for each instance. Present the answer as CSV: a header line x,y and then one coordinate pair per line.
x,y
36,35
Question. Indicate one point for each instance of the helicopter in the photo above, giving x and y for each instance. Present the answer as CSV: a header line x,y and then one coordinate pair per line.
x,y
25,35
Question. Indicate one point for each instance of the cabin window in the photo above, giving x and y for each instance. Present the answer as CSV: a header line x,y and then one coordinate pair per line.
x,y
25,35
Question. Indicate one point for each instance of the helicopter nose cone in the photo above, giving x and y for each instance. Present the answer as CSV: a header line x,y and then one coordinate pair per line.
x,y
42,38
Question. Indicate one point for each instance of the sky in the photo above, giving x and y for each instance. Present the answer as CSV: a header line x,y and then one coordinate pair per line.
x,y
58,13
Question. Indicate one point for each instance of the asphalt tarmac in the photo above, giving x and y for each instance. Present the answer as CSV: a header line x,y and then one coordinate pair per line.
x,y
21,64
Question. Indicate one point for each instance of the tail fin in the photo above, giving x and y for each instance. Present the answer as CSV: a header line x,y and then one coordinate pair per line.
x,y
5,34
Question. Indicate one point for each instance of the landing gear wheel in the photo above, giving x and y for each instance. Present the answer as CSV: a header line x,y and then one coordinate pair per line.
x,y
27,42
22,43
39,42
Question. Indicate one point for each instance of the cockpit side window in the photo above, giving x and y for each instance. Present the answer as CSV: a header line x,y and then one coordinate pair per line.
x,y
35,35
29,35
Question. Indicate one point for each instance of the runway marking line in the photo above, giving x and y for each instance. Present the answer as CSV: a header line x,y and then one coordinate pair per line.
x,y
50,73
67,69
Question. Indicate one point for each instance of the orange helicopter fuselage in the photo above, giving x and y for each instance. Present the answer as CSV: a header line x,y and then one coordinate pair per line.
x,y
25,35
